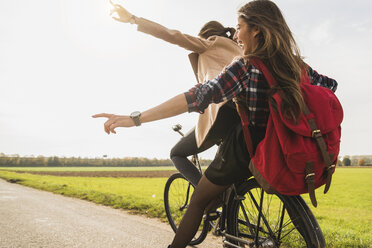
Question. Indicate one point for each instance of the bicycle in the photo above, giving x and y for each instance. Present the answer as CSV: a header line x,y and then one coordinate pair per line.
x,y
248,217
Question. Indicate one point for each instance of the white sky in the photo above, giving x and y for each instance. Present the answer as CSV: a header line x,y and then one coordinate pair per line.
x,y
63,60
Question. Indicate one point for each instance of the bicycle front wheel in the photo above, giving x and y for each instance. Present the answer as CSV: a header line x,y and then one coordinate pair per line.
x,y
177,195
284,221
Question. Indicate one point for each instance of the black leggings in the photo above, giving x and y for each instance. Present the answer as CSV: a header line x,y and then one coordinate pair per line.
x,y
226,118
187,147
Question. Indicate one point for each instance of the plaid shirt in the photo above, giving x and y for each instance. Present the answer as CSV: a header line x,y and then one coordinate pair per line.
x,y
247,84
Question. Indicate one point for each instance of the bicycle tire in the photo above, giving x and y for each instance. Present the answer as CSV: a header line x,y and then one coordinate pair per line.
x,y
288,222
176,200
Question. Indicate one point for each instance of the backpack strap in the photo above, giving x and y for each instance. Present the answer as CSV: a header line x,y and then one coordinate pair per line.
x,y
317,135
242,111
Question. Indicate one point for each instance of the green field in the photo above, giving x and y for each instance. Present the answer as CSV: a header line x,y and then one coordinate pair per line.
x,y
344,213
150,168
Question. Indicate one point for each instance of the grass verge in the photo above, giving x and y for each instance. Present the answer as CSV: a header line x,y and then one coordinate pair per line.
x,y
139,195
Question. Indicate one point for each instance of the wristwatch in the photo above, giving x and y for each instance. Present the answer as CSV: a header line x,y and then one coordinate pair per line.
x,y
136,117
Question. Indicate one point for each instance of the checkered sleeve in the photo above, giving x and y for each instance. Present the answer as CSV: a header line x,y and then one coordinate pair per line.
x,y
321,80
227,85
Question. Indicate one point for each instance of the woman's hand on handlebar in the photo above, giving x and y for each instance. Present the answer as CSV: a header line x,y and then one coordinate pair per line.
x,y
115,121
123,14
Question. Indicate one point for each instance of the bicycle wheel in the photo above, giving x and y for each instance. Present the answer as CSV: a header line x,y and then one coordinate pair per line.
x,y
286,221
177,195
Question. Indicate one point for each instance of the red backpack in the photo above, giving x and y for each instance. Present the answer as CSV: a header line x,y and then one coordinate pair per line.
x,y
293,158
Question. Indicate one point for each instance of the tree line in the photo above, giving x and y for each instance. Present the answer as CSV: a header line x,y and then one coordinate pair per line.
x,y
357,160
54,161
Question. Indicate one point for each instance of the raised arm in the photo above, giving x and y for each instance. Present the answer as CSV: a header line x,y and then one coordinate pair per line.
x,y
175,106
188,42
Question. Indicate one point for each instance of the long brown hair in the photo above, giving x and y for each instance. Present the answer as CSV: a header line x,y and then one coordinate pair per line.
x,y
278,50
215,28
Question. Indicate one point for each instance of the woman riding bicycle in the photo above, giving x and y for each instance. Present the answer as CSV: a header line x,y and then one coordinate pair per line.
x,y
211,52
263,33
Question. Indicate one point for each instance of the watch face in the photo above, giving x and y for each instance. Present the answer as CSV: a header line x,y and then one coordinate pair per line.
x,y
136,118
135,114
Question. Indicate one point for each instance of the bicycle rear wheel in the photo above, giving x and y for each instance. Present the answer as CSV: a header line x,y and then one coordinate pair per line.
x,y
177,195
285,221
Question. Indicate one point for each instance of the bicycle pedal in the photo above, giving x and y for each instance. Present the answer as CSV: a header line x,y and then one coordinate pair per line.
x,y
239,198
216,232
212,216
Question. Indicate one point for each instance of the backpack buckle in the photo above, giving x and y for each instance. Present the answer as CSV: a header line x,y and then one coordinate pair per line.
x,y
316,133
309,175
310,180
331,166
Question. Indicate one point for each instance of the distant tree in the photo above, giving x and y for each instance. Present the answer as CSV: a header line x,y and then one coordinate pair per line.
x,y
3,159
41,161
361,162
14,160
346,161
354,161
54,161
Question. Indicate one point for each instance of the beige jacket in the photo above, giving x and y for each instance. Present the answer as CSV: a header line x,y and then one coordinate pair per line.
x,y
208,59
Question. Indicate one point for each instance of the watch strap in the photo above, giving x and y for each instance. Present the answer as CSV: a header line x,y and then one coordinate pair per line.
x,y
132,19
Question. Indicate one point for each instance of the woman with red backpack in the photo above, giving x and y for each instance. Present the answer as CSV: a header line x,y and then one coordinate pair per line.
x,y
264,35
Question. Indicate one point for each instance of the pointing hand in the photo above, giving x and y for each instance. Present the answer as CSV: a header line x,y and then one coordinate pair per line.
x,y
115,121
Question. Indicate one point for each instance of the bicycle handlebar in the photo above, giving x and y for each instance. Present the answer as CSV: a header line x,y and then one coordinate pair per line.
x,y
177,128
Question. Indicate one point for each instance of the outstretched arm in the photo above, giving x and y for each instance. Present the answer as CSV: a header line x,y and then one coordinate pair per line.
x,y
175,106
191,43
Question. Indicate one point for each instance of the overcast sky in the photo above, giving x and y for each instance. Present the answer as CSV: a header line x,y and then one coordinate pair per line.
x,y
63,60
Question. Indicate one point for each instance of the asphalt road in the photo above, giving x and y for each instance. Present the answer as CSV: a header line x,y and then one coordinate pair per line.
x,y
34,218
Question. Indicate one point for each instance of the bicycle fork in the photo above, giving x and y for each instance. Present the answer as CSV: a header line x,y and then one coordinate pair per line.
x,y
228,237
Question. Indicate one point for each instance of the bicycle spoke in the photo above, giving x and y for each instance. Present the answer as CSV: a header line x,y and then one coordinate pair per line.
x,y
263,217
288,232
246,218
